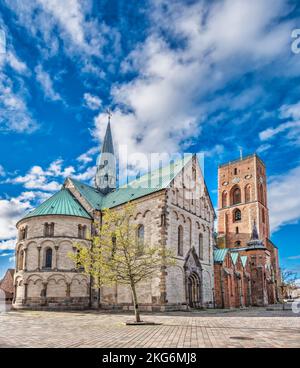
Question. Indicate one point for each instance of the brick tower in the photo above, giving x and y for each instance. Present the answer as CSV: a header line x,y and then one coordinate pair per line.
x,y
242,202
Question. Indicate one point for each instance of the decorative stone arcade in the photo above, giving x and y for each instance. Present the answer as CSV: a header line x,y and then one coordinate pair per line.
x,y
193,280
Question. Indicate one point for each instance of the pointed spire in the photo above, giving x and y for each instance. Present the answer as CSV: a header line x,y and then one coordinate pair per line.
x,y
105,179
108,146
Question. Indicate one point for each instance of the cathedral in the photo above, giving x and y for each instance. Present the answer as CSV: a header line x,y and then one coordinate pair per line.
x,y
237,267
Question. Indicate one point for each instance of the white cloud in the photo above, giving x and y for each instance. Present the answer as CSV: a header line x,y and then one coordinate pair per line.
x,y
271,132
17,64
284,199
2,171
290,127
92,102
87,175
14,113
69,21
217,150
12,259
46,83
87,157
8,244
164,102
11,210
46,180
294,257
263,148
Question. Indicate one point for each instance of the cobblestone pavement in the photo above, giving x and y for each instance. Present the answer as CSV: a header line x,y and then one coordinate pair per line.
x,y
246,328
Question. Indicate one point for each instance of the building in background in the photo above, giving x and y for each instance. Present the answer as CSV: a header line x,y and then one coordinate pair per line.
x,y
246,261
7,285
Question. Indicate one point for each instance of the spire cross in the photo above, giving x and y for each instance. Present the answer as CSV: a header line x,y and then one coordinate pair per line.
x,y
109,114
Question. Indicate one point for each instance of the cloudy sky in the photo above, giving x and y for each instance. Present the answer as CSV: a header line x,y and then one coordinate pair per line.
x,y
179,76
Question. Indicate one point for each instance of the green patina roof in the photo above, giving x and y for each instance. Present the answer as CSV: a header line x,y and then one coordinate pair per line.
x,y
146,184
220,254
244,260
61,203
149,183
92,195
234,257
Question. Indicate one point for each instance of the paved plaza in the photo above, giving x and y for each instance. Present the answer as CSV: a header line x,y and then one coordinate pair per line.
x,y
256,327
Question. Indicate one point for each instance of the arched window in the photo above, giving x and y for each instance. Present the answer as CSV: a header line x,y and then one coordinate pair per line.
x,y
237,230
224,199
237,215
48,258
235,171
140,238
201,246
236,195
237,243
247,193
180,241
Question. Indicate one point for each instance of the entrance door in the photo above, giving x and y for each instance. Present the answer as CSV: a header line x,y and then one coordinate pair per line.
x,y
194,291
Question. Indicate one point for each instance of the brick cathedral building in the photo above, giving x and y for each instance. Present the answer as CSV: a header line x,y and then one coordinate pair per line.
x,y
246,261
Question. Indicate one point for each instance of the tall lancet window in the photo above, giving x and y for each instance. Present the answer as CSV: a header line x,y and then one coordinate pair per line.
x,y
201,246
140,238
180,241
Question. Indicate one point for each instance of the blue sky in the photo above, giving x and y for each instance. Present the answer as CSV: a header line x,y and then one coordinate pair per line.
x,y
190,76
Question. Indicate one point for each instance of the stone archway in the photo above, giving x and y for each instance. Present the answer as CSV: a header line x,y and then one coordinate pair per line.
x,y
194,290
193,280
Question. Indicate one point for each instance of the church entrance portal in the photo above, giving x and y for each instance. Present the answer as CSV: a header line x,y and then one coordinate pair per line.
x,y
194,290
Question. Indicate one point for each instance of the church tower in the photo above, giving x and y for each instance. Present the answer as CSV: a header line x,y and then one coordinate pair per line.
x,y
106,176
242,202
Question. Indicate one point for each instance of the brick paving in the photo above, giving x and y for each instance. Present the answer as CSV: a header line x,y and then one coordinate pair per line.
x,y
242,328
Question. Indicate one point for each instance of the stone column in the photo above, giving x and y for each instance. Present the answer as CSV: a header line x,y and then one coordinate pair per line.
x,y
17,261
25,260
39,257
25,293
55,258
68,293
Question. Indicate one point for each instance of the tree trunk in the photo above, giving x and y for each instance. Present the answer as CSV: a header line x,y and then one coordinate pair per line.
x,y
135,304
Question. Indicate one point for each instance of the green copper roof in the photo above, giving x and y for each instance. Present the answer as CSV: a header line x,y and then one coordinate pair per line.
x,y
244,260
92,195
234,257
219,255
149,183
61,203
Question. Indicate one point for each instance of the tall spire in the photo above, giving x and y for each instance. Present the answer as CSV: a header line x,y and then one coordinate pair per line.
x,y
105,179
